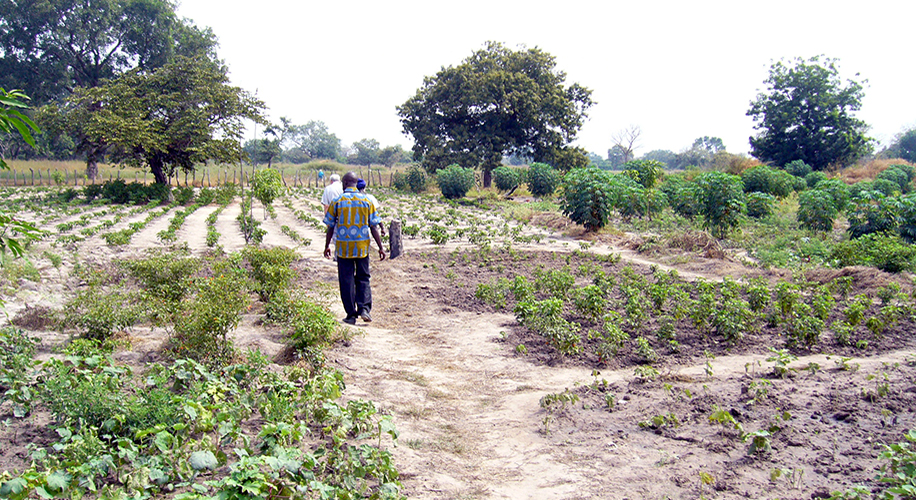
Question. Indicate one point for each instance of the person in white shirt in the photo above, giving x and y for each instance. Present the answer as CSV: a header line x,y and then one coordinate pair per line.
x,y
361,187
332,192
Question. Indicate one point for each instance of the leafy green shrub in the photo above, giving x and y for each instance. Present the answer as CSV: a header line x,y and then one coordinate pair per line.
x,y
555,282
721,202
760,205
251,228
399,181
201,326
507,179
897,176
838,190
17,351
871,212
309,325
798,168
455,181
416,178
907,217
92,191
764,179
543,179
183,195
885,251
97,313
814,178
683,196
545,317
226,193
816,210
271,269
266,186
590,302
165,274
206,196
646,172
588,197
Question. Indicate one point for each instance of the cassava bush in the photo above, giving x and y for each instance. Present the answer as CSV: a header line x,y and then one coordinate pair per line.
x,y
543,179
266,186
455,181
760,205
508,179
764,179
721,198
646,172
588,197
271,269
816,210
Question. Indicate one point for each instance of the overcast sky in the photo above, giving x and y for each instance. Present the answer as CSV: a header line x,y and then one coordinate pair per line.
x,y
678,70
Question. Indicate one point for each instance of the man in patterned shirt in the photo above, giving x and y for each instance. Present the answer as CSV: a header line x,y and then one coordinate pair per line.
x,y
351,218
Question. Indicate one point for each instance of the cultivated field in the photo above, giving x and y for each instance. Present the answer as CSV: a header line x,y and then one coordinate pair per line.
x,y
516,356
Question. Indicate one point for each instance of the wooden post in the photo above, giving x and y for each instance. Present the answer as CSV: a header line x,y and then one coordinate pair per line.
x,y
396,246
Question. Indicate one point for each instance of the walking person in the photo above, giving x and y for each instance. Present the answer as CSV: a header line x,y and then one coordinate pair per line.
x,y
351,218
331,192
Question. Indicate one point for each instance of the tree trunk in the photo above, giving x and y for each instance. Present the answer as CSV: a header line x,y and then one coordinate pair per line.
x,y
155,167
92,169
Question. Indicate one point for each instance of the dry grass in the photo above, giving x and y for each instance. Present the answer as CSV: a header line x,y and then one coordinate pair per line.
x,y
868,171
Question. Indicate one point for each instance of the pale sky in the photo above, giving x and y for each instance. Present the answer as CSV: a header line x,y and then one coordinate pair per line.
x,y
678,70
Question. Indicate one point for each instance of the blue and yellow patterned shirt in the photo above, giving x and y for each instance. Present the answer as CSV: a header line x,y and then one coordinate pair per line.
x,y
350,216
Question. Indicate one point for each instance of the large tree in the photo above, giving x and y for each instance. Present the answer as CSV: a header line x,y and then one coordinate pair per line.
x,y
313,140
51,47
806,114
496,102
55,47
904,146
175,117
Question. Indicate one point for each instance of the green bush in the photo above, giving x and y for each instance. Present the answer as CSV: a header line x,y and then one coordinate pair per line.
x,y
814,178
764,179
906,217
872,212
816,210
798,168
226,193
183,195
884,251
507,179
455,181
98,314
165,274
308,325
897,176
588,197
683,195
266,186
206,196
646,172
271,269
838,190
416,178
760,205
202,325
543,179
721,202
399,181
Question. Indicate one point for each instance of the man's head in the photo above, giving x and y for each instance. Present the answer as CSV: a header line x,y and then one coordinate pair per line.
x,y
349,180
335,177
361,185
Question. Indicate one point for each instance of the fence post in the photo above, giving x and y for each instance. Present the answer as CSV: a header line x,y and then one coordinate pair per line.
x,y
394,239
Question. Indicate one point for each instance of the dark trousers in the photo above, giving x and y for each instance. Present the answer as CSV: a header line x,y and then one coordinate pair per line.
x,y
355,293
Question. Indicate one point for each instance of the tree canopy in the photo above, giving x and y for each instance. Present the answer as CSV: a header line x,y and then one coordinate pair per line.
x,y
51,47
904,146
496,102
806,114
175,117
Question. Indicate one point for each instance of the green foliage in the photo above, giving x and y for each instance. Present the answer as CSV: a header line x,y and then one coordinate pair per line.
x,y
97,313
805,114
906,206
202,324
493,104
760,205
543,179
271,269
16,352
871,212
721,198
508,179
646,172
309,325
121,192
415,178
251,228
814,178
816,210
455,181
884,251
266,186
765,179
590,302
167,275
588,197
896,175
683,195
798,168
838,190
545,317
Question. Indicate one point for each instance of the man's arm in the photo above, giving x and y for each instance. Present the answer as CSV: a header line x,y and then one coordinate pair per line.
x,y
378,241
327,242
